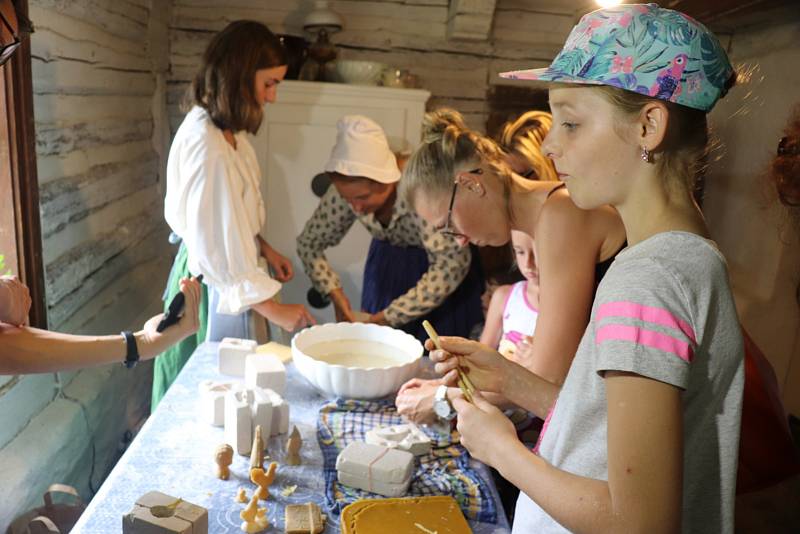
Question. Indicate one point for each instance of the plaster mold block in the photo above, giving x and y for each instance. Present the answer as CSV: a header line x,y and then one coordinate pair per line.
x,y
158,513
375,469
212,401
280,413
262,410
238,421
246,408
233,354
265,371
407,437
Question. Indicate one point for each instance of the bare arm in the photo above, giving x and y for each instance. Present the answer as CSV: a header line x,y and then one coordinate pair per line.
x,y
566,256
493,327
31,350
645,461
491,372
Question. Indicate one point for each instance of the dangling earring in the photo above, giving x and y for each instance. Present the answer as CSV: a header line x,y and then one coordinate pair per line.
x,y
645,154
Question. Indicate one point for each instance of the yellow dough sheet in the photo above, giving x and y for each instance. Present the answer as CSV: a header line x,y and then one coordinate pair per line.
x,y
283,352
410,515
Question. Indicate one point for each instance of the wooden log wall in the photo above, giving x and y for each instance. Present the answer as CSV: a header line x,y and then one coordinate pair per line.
x,y
408,34
99,71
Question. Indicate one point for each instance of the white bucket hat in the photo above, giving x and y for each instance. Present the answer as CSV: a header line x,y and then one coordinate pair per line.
x,y
361,149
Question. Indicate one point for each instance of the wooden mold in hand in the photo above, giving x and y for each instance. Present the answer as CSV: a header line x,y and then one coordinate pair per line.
x,y
158,513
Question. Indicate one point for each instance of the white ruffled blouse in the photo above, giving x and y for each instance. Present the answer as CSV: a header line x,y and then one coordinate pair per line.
x,y
214,204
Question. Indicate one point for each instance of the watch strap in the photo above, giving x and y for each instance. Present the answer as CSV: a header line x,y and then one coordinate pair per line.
x,y
131,350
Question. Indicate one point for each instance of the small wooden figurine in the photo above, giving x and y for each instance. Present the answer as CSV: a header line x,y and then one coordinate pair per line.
x,y
224,458
241,495
257,452
263,480
254,519
293,447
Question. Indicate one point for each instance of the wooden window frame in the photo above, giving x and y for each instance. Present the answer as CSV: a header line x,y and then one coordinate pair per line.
x,y
18,168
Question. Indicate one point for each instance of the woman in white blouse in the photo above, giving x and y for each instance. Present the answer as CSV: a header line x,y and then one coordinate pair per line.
x,y
213,201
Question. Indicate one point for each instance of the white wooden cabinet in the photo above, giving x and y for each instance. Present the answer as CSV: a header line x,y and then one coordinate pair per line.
x,y
293,145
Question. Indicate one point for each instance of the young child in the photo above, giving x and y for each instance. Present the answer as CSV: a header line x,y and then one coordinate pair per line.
x,y
514,308
644,433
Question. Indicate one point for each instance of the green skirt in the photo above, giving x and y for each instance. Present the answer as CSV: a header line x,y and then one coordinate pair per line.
x,y
170,362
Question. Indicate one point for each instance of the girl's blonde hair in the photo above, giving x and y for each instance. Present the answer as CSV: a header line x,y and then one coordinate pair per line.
x,y
524,136
687,142
449,147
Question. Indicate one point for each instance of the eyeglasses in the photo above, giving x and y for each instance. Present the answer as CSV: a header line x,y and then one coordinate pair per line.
x,y
6,50
448,230
785,150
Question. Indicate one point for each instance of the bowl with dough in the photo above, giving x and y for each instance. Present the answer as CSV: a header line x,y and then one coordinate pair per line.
x,y
356,360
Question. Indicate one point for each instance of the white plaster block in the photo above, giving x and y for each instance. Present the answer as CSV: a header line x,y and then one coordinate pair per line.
x,y
262,412
233,353
265,371
211,407
238,421
376,469
406,437
280,413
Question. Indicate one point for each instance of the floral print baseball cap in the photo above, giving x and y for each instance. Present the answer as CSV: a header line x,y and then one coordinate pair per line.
x,y
643,48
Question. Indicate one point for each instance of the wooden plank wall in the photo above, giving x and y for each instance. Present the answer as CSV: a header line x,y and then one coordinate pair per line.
x,y
99,70
410,34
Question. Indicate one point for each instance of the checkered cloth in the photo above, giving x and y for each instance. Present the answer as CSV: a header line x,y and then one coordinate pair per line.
x,y
444,471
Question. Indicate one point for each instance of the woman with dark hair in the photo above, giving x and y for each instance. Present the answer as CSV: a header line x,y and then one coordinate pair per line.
x,y
213,201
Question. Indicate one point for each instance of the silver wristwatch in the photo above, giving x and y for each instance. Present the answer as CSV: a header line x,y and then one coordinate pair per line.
x,y
442,406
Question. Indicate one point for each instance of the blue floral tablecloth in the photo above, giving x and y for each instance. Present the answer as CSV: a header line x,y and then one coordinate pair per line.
x,y
174,453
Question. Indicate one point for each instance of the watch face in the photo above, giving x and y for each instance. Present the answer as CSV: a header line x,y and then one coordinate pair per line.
x,y
442,408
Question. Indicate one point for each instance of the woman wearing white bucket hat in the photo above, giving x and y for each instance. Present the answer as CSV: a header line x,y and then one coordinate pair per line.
x,y
412,272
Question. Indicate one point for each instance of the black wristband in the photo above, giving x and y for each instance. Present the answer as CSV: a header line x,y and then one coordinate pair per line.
x,y
132,351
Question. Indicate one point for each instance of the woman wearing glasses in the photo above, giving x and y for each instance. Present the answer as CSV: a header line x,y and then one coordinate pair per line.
x,y
460,182
412,272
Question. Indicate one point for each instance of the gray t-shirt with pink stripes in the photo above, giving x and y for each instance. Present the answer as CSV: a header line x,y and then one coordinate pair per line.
x,y
664,311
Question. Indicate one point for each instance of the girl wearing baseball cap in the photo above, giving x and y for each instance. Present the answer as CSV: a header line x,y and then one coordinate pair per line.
x,y
412,272
643,434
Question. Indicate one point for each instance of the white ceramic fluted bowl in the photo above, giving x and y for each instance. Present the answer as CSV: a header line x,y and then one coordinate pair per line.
x,y
359,373
359,72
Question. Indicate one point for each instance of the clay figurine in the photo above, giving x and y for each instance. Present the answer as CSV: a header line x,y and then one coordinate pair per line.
x,y
293,447
257,452
263,480
254,519
224,458
241,495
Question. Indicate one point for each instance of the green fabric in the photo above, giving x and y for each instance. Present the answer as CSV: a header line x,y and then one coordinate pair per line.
x,y
170,362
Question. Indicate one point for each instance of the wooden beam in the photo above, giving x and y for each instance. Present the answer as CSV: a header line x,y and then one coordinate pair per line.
x,y
470,20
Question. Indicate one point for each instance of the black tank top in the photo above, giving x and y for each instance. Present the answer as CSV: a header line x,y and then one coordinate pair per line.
x,y
601,268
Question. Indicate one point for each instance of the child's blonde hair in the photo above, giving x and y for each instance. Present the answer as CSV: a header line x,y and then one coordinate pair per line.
x,y
449,147
687,141
524,136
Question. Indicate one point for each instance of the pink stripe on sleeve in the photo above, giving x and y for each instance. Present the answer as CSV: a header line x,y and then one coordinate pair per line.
x,y
649,338
650,314
544,428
